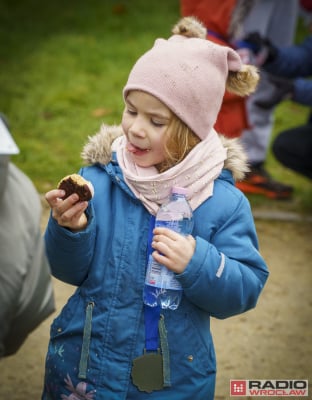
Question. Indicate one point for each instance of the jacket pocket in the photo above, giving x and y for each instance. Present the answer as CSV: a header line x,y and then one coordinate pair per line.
x,y
65,323
190,345
71,333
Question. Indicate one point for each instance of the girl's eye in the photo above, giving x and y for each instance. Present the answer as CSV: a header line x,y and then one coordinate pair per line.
x,y
157,123
131,112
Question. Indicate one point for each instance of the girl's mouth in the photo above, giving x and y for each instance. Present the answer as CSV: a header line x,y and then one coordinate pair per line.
x,y
136,150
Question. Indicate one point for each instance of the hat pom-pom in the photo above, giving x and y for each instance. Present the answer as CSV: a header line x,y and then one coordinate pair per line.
x,y
190,27
244,81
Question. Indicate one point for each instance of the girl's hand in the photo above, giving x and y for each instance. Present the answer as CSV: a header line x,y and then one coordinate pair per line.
x,y
173,250
70,212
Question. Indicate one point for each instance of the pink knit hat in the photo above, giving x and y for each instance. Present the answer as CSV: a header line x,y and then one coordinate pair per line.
x,y
188,75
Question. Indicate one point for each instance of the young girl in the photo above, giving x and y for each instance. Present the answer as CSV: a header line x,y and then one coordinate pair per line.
x,y
106,344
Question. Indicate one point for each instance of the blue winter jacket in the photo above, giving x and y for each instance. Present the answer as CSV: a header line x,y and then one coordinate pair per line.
x,y
295,62
100,331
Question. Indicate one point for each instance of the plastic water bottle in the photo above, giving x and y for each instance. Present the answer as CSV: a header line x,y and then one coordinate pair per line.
x,y
161,287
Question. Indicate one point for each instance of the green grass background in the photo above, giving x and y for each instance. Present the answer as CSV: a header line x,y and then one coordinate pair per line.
x,y
63,65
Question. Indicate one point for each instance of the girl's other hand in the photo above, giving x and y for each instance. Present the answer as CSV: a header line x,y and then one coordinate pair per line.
x,y
70,212
173,250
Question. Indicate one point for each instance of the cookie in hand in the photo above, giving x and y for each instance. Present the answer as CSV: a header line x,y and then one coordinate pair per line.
x,y
75,183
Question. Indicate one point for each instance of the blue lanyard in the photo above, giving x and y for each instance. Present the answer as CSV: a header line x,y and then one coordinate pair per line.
x,y
151,314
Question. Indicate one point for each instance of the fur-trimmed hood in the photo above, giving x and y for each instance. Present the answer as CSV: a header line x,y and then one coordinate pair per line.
x,y
98,150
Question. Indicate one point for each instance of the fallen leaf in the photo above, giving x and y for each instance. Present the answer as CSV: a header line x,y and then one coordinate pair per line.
x,y
100,112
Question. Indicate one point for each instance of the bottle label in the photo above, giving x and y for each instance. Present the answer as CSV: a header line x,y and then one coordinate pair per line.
x,y
160,277
174,224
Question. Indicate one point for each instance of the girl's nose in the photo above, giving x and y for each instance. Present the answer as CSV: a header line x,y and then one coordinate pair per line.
x,y
137,127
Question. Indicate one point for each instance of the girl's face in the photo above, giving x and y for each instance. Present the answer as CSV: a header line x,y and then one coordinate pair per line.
x,y
145,121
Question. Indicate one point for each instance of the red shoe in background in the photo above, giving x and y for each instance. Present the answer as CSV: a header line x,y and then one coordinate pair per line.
x,y
259,181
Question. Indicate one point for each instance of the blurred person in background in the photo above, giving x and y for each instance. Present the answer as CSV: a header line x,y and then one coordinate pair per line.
x,y
224,23
26,294
275,20
293,147
227,23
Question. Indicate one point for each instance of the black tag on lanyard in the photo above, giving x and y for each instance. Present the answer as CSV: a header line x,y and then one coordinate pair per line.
x,y
147,372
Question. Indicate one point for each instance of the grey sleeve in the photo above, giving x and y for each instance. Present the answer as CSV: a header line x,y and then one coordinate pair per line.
x,y
26,294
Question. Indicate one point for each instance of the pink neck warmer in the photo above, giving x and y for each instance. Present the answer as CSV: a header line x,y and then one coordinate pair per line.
x,y
196,173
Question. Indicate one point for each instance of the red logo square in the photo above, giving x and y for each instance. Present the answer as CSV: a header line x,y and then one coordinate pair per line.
x,y
238,388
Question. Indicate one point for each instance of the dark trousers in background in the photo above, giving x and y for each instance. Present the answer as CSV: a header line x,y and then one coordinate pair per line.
x,y
293,148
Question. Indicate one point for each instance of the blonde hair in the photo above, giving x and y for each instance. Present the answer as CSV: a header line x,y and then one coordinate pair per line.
x,y
180,140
